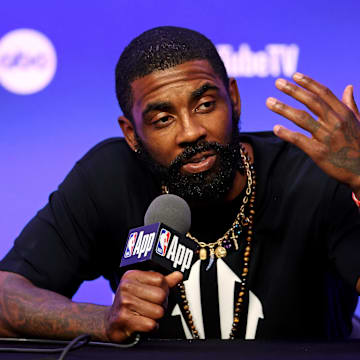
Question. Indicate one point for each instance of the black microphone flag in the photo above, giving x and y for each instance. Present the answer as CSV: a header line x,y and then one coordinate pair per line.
x,y
161,245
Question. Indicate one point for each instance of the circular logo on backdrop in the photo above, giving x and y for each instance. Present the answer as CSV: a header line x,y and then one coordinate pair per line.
x,y
27,61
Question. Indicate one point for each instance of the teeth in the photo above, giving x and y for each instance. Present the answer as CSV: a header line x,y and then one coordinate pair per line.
x,y
204,157
199,160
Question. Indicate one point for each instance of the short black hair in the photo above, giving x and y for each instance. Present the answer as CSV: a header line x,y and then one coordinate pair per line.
x,y
161,48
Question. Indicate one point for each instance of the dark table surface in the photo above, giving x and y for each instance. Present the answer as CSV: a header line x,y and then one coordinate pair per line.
x,y
200,349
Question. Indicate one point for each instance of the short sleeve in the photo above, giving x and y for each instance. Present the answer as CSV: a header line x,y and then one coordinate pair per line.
x,y
80,234
56,248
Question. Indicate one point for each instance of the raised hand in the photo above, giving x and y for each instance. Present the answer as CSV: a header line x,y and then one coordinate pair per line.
x,y
334,144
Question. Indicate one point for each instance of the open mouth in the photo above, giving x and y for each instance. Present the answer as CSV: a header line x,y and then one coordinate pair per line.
x,y
199,157
199,163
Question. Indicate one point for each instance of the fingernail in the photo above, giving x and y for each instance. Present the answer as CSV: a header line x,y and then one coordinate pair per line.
x,y
280,83
270,101
277,129
352,90
298,76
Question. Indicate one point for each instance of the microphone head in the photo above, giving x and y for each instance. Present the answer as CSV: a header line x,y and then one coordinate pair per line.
x,y
172,210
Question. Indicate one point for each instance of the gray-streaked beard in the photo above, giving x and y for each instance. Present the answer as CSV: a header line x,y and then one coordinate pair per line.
x,y
210,185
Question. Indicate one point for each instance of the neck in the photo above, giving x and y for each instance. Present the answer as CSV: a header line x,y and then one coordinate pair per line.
x,y
240,180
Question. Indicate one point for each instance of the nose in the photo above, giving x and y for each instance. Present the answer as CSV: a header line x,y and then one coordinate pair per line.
x,y
191,130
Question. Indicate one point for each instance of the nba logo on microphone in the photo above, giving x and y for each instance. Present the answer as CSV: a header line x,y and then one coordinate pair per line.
x,y
163,242
130,245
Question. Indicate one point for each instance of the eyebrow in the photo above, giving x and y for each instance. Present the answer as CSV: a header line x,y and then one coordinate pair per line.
x,y
198,93
156,106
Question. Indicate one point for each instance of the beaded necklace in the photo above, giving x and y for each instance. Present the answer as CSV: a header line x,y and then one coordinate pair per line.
x,y
217,249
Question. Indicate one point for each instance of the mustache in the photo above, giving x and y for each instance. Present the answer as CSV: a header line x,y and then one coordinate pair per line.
x,y
193,149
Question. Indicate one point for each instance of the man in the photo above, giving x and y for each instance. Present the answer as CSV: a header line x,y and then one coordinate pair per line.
x,y
278,236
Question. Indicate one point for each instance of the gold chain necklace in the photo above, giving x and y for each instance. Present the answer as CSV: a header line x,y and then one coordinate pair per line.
x,y
216,248
240,221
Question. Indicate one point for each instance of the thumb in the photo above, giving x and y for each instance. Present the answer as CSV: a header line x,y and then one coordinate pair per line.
x,y
349,100
174,278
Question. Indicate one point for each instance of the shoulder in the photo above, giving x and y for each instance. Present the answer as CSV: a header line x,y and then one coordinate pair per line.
x,y
273,155
108,149
283,169
114,182
111,157
110,169
267,143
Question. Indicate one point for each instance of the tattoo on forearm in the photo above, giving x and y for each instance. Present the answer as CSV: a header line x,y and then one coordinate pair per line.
x,y
41,313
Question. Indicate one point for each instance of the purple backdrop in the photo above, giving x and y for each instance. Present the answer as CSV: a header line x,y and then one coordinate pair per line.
x,y
44,132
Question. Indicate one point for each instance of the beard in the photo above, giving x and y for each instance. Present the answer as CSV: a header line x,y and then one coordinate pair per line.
x,y
209,185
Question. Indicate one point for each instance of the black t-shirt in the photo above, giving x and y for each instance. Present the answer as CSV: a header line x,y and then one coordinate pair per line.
x,y
305,250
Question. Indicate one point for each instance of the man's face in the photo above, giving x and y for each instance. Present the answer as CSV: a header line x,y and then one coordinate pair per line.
x,y
186,127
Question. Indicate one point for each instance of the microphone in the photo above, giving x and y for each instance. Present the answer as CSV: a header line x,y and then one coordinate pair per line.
x,y
170,209
162,240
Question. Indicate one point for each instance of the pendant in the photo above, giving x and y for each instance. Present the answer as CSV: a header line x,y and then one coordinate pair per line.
x,y
235,243
202,254
220,252
234,239
211,260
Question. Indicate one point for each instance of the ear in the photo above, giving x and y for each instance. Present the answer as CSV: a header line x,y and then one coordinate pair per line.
x,y
235,96
128,130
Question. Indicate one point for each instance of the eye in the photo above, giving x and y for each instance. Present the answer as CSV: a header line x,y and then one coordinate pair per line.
x,y
206,106
162,122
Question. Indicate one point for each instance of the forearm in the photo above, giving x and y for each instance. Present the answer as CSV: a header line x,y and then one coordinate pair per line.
x,y
26,310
